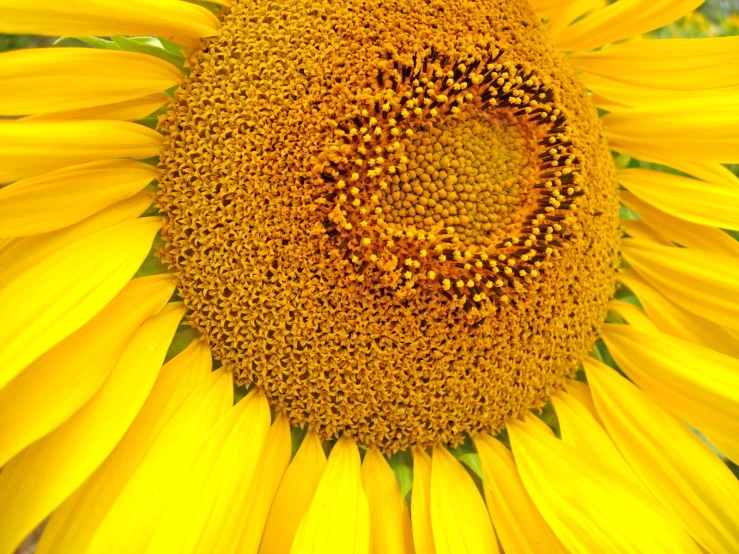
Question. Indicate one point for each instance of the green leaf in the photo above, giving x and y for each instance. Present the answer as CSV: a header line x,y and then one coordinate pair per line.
x,y
150,46
402,465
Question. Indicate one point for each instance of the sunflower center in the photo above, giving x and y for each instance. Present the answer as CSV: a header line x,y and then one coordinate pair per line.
x,y
398,219
472,173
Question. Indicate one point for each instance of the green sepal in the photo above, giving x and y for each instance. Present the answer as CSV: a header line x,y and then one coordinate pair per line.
x,y
152,265
173,48
621,161
549,416
95,42
626,213
580,375
600,352
472,461
467,454
149,121
182,339
152,120
240,391
297,434
150,46
402,465
152,187
503,437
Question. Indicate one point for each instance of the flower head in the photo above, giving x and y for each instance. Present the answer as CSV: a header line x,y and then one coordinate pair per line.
x,y
398,233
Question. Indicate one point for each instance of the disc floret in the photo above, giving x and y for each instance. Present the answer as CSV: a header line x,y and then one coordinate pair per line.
x,y
427,114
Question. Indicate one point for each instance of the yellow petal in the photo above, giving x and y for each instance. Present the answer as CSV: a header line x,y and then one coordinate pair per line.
x,y
663,64
590,507
79,78
459,519
616,96
338,520
137,508
519,525
202,515
128,110
18,255
255,504
548,5
637,229
63,197
673,320
294,496
58,383
560,18
701,282
580,429
695,383
61,293
623,19
423,537
676,466
37,480
664,226
581,392
711,172
125,516
169,19
692,129
183,382
682,197
30,147
633,315
390,525
605,103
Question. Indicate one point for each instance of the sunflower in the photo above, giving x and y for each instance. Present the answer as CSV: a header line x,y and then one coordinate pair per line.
x,y
348,277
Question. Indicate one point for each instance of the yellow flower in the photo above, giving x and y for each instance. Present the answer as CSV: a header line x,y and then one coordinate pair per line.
x,y
400,230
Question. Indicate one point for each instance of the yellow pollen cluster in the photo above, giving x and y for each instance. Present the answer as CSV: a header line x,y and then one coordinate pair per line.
x,y
398,219
444,130
470,173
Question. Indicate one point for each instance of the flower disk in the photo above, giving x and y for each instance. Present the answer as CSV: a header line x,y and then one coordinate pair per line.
x,y
399,220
